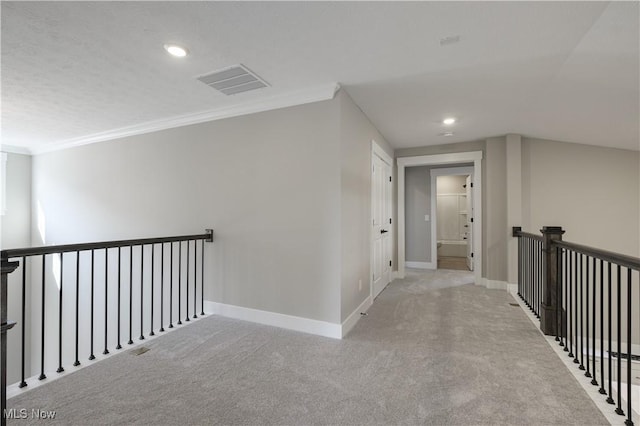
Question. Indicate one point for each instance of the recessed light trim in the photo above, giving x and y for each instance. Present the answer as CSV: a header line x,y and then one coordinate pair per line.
x,y
176,50
446,134
449,121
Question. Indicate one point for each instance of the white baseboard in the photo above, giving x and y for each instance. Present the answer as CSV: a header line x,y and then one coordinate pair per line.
x,y
353,319
494,284
512,289
420,265
289,322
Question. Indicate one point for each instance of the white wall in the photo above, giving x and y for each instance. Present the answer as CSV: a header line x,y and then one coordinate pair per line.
x,y
356,133
16,233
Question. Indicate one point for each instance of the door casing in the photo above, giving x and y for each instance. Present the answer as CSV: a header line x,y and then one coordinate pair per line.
x,y
474,157
377,151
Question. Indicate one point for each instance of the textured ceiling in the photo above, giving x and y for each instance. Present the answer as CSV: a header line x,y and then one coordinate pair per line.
x,y
557,70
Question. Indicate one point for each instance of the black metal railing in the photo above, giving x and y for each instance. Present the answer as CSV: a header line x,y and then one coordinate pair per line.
x,y
530,269
153,272
589,293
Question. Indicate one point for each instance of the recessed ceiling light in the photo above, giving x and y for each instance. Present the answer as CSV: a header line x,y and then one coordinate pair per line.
x,y
176,50
445,134
449,121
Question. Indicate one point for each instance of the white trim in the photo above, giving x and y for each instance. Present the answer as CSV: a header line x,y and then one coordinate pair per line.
x,y
376,150
12,149
453,242
495,284
320,93
442,159
420,265
512,289
352,320
274,319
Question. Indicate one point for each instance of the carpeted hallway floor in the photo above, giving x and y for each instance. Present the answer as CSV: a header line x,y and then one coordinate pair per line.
x,y
433,349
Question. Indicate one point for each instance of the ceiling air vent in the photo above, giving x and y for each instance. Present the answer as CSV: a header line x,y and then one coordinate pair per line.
x,y
232,80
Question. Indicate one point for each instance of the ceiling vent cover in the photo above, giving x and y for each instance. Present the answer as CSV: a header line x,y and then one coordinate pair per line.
x,y
232,80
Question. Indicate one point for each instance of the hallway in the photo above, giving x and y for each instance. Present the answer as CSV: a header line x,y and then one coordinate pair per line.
x,y
433,349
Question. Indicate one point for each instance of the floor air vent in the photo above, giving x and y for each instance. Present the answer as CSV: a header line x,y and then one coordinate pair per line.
x,y
139,351
232,80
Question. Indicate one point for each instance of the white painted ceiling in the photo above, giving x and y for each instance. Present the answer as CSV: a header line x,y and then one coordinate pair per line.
x,y
556,70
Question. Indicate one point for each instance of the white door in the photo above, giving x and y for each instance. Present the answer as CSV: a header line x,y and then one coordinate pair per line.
x,y
381,229
469,227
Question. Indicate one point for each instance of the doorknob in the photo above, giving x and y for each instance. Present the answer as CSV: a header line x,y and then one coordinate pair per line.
x,y
382,231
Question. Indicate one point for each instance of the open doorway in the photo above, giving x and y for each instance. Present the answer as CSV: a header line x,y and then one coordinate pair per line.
x,y
409,168
453,220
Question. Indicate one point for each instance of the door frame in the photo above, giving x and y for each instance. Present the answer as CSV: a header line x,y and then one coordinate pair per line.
x,y
474,157
450,171
376,150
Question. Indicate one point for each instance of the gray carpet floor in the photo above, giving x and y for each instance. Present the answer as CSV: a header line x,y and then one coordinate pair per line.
x,y
433,349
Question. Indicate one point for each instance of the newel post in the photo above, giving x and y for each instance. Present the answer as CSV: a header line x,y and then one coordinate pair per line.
x,y
549,303
7,268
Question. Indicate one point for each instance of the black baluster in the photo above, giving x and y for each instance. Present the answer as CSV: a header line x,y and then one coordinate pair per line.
x,y
130,342
141,292
609,399
92,356
106,295
581,314
202,282
628,422
594,382
540,266
171,288
179,282
530,275
586,291
187,283
602,390
42,375
563,305
529,270
534,277
162,287
519,265
77,361
23,383
619,321
558,292
577,307
119,346
195,278
60,369
570,306
153,253
526,271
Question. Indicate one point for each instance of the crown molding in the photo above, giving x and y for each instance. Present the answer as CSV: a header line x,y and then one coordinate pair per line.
x,y
316,94
12,149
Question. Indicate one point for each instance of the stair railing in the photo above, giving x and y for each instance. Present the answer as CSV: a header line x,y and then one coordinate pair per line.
x,y
584,297
160,274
